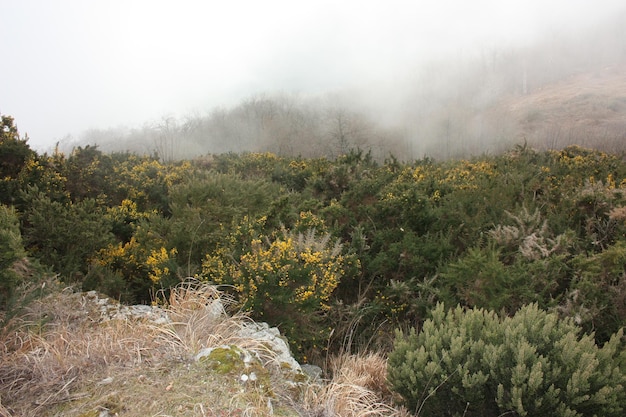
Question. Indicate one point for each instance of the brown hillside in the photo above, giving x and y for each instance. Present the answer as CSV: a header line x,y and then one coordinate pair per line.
x,y
588,109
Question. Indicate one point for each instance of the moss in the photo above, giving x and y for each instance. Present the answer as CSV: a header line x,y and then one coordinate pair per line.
x,y
225,360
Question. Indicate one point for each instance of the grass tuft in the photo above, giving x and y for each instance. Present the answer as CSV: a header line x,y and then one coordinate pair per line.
x,y
358,388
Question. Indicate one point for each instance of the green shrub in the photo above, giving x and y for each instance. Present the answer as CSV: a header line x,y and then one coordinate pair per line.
x,y
205,205
65,236
108,281
15,154
133,270
474,363
597,292
11,250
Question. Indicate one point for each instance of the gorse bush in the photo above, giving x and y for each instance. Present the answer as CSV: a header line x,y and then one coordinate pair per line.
x,y
144,262
511,266
11,250
286,280
597,296
474,363
65,236
14,155
203,206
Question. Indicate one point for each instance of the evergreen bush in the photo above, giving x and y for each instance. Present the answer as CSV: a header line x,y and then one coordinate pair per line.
x,y
11,250
597,292
474,363
65,236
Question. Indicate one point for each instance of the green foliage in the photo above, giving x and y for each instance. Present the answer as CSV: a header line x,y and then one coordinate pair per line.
x,y
474,363
145,181
14,155
205,205
45,173
11,250
479,278
597,294
515,264
84,173
495,232
249,165
104,279
132,270
65,236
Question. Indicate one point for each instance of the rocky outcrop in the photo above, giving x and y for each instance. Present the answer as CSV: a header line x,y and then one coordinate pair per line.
x,y
262,333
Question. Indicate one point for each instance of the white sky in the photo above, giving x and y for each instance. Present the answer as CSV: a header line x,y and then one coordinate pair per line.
x,y
71,65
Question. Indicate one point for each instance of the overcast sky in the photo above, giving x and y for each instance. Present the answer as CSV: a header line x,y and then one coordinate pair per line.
x,y
71,65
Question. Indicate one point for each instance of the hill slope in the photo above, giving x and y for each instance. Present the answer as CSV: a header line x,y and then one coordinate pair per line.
x,y
587,109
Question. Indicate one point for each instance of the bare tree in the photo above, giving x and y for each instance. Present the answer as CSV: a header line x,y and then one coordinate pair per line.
x,y
346,130
166,138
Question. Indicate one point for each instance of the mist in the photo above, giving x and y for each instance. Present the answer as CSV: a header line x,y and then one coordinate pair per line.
x,y
317,79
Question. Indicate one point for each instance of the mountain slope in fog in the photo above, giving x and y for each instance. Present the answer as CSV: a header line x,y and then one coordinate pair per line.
x,y
588,109
562,90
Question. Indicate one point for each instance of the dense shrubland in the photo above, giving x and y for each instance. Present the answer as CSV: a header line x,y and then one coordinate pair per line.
x,y
337,253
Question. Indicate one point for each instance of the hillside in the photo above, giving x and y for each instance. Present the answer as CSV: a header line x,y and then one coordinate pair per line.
x,y
445,116
556,91
587,109
339,255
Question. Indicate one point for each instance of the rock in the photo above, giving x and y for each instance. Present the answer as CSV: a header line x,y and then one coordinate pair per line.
x,y
204,353
112,310
276,342
314,372
215,308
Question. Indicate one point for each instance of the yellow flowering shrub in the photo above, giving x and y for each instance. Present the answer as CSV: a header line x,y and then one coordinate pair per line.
x,y
125,217
42,173
249,164
146,181
286,279
141,258
142,263
583,163
157,263
307,275
466,175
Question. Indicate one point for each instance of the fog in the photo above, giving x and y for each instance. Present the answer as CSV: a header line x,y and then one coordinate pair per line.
x,y
194,77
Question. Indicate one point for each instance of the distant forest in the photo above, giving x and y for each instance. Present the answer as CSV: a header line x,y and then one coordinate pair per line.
x,y
485,102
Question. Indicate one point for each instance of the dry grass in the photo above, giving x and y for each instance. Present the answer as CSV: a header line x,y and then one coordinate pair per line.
x,y
58,342
60,358
200,318
358,388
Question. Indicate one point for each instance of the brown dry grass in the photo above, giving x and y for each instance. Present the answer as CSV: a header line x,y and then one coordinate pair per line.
x,y
58,342
358,388
201,318
59,358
